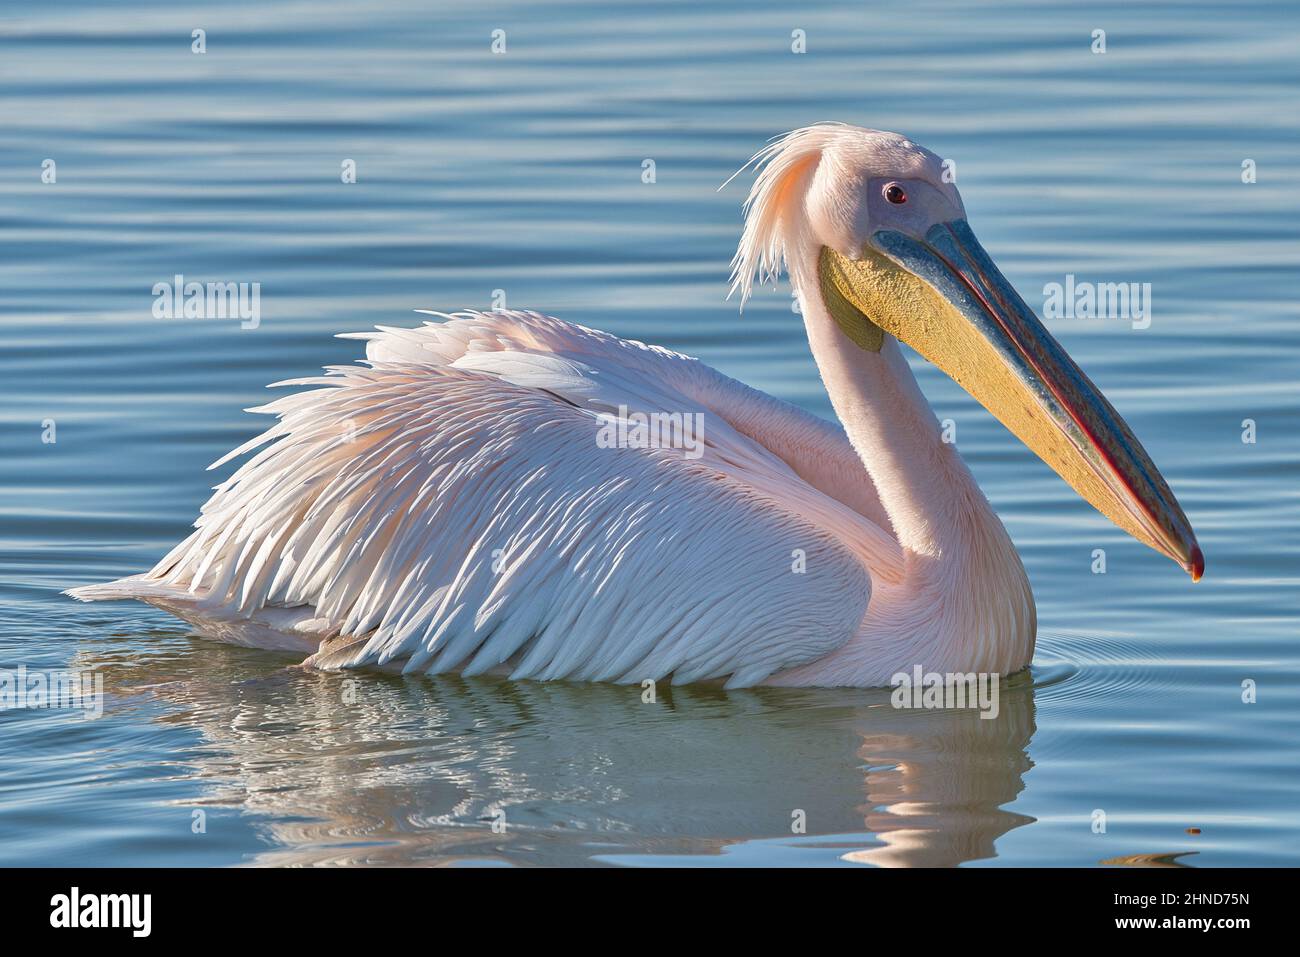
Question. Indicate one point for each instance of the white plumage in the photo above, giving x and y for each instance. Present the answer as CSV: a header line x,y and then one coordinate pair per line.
x,y
448,508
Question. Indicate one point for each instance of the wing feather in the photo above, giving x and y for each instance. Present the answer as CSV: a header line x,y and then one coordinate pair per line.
x,y
447,507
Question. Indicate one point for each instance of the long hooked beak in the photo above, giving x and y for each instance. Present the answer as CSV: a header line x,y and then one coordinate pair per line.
x,y
943,296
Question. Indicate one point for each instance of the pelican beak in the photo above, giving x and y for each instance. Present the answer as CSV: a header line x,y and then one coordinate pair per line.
x,y
944,297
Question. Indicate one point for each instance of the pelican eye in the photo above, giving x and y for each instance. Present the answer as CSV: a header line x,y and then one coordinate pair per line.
x,y
895,194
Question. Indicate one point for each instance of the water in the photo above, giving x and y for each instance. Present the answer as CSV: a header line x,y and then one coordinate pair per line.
x,y
522,172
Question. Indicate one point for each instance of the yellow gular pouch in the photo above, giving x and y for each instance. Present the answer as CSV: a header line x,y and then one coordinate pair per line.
x,y
836,291
900,304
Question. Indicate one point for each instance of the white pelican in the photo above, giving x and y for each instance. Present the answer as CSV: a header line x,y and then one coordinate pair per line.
x,y
448,506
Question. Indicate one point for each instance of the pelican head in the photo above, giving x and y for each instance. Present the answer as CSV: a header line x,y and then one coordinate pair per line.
x,y
869,220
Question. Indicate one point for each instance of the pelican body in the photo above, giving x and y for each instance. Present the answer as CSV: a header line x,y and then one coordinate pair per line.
x,y
450,504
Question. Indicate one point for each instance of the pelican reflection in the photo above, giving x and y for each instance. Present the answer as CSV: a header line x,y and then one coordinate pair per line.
x,y
369,768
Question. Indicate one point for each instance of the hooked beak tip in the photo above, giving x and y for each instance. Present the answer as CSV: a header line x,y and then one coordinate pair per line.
x,y
1196,564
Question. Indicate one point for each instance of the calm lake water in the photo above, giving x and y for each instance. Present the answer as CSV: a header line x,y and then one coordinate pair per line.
x,y
522,172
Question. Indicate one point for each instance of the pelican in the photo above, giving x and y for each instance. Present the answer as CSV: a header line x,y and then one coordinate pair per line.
x,y
450,505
